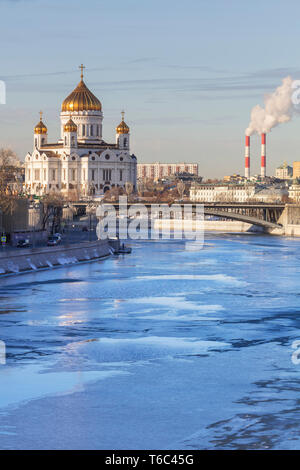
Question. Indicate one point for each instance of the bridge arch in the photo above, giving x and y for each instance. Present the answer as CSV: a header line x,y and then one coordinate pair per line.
x,y
241,217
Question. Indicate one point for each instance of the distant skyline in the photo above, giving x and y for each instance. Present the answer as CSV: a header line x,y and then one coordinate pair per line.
x,y
186,73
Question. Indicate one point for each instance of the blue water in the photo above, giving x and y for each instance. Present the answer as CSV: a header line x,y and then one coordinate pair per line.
x,y
173,346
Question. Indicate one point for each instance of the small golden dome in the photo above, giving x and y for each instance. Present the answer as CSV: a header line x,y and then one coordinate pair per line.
x,y
40,128
70,126
122,127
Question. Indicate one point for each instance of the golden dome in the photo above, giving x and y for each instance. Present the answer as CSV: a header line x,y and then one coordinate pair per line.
x,y
40,128
70,126
81,99
122,127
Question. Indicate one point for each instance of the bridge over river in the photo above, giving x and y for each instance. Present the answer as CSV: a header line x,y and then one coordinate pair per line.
x,y
261,214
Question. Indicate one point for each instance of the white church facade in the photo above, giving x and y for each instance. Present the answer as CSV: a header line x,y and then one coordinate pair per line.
x,y
80,160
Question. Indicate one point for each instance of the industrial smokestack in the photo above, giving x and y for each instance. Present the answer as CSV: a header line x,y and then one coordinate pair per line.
x,y
263,156
247,157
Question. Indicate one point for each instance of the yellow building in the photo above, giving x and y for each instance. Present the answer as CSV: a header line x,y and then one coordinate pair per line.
x,y
296,170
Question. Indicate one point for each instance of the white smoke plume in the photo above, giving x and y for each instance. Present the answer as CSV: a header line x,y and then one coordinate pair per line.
x,y
278,109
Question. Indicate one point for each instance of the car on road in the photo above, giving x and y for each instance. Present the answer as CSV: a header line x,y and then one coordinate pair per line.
x,y
23,244
53,241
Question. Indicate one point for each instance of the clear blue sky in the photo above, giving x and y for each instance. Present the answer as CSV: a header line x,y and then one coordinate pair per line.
x,y
186,72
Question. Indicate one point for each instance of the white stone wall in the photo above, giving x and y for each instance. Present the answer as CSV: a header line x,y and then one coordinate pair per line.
x,y
83,172
87,119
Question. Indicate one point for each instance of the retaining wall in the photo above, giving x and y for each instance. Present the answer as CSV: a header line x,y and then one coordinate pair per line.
x,y
208,225
25,260
290,220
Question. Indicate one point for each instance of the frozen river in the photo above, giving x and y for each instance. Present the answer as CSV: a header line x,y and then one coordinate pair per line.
x,y
172,346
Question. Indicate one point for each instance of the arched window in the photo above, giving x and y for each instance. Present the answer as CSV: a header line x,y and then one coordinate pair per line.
x,y
125,142
83,129
65,140
92,129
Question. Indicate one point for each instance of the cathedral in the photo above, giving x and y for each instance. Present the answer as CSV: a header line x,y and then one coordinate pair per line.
x,y
80,161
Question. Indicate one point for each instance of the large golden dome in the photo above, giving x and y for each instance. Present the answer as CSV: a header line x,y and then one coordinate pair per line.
x,y
40,128
122,127
81,99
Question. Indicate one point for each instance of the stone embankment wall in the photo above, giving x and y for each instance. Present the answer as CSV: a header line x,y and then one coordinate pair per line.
x,y
24,260
208,225
290,220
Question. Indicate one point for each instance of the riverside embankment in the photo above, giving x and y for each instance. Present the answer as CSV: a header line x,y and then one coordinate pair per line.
x,y
208,225
24,260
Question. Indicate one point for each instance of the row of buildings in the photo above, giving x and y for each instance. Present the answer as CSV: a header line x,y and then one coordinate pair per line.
x,y
157,170
160,171
249,192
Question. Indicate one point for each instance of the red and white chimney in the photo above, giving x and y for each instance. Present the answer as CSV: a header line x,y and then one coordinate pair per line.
x,y
263,156
247,157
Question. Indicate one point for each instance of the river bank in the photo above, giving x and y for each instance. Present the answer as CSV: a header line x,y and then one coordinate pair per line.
x,y
223,226
232,226
48,257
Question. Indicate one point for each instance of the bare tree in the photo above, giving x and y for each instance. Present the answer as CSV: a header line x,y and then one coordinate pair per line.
x,y
180,188
8,158
140,188
52,208
73,195
128,188
10,179
150,185
113,194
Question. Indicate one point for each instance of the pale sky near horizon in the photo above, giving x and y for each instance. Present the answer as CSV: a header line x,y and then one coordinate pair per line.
x,y
186,73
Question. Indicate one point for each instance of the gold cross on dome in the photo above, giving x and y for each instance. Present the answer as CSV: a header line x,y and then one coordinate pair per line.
x,y
123,114
81,68
41,115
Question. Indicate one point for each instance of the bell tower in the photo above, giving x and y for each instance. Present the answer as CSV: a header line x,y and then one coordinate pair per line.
x,y
40,134
70,134
122,134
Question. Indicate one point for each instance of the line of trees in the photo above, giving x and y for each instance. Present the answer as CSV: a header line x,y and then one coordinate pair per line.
x,y
10,179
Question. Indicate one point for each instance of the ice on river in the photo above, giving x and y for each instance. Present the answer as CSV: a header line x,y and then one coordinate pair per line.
x,y
174,346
